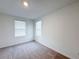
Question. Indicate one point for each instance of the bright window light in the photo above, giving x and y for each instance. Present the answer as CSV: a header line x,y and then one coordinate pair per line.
x,y
38,28
20,28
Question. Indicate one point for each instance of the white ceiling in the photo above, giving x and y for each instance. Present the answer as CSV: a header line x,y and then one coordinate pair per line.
x,y
37,8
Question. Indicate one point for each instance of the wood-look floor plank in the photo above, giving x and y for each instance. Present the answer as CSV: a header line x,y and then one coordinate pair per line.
x,y
31,50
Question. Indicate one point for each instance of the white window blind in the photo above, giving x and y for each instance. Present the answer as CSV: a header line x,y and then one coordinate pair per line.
x,y
20,28
38,28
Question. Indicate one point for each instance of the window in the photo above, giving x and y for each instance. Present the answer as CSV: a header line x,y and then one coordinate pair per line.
x,y
20,28
38,28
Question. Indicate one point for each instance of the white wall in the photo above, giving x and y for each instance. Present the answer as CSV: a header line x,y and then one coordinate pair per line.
x,y
7,37
61,31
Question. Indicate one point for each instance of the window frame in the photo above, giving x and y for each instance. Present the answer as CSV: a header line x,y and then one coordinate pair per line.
x,y
15,28
36,29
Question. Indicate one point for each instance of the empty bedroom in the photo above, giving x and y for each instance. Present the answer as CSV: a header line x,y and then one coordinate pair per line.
x,y
39,29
